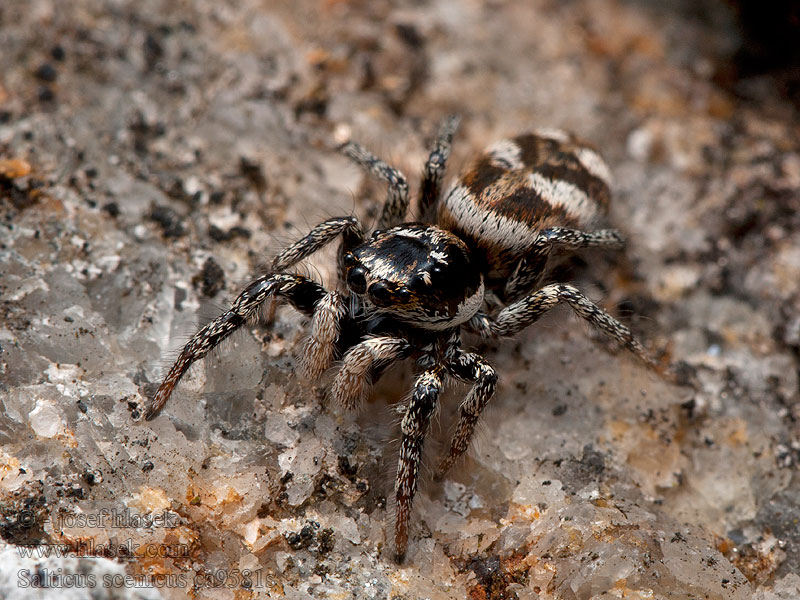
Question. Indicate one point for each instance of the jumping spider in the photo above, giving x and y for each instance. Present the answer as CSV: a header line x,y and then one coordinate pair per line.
x,y
408,289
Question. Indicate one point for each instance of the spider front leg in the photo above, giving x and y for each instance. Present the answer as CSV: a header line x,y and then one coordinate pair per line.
x,y
471,368
430,186
396,204
301,292
414,427
519,315
321,235
530,269
320,348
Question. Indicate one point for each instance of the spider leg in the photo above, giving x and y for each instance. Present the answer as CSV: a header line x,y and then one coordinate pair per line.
x,y
522,313
319,236
301,292
430,186
531,268
471,368
362,365
414,427
319,350
396,204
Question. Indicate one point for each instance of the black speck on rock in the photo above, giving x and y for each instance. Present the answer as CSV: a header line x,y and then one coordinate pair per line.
x,y
46,72
112,208
409,34
593,460
217,234
252,171
211,278
325,541
45,94
302,539
170,221
75,491
153,51
239,231
133,407
220,235
93,477
346,468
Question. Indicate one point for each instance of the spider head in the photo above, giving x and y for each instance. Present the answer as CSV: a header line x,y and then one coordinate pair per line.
x,y
420,274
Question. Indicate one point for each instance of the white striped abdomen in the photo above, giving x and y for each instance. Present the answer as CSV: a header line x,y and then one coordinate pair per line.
x,y
521,186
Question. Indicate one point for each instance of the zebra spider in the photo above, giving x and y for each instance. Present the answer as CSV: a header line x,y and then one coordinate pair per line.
x,y
409,289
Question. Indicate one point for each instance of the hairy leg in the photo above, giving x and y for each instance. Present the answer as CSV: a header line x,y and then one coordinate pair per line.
x,y
471,368
319,350
519,315
361,365
531,268
319,236
396,204
430,186
301,292
414,427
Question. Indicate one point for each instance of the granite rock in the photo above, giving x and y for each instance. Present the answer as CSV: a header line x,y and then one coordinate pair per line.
x,y
155,155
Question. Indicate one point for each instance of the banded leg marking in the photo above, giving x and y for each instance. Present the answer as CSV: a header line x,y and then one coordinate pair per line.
x,y
471,368
319,236
430,186
531,268
414,427
519,315
396,204
319,350
352,383
301,292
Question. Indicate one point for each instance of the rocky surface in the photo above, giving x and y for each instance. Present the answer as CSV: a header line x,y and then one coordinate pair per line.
x,y
154,155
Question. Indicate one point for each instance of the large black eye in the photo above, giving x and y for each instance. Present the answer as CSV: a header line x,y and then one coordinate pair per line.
x,y
417,283
357,280
380,294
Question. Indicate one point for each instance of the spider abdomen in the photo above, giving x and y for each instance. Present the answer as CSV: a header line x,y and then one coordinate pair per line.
x,y
519,187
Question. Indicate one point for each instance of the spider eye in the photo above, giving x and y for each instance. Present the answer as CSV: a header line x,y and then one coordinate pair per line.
x,y
380,294
417,283
403,294
350,259
357,280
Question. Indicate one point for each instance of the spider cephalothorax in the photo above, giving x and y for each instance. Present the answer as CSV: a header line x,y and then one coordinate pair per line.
x,y
420,274
409,289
